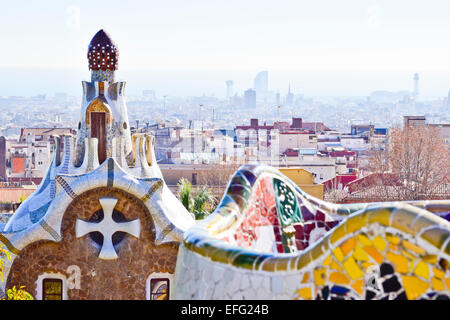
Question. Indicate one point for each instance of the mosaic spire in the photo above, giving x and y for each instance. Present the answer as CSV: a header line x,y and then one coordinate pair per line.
x,y
103,56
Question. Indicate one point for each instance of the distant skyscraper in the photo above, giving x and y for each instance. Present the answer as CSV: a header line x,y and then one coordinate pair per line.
x,y
289,97
261,84
250,98
416,87
229,84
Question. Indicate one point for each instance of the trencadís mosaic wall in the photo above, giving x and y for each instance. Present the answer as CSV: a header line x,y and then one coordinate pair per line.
x,y
270,240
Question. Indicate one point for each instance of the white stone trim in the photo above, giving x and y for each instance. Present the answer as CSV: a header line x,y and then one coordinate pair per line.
x,y
155,275
51,275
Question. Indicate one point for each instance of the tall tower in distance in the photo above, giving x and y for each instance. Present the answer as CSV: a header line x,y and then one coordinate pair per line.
x,y
229,84
250,98
289,97
416,87
261,84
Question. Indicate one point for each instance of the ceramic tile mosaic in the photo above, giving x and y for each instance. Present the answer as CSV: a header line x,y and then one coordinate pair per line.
x,y
395,250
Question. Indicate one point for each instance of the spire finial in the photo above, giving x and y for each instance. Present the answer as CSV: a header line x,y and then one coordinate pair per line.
x,y
103,53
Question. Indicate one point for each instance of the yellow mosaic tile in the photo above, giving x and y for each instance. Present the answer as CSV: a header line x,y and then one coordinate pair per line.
x,y
412,247
327,261
430,258
305,293
317,251
364,240
282,264
438,273
302,261
447,282
437,284
270,264
338,233
400,262
339,278
348,246
392,238
335,266
373,252
356,222
338,254
359,254
358,286
319,276
352,269
408,255
379,243
414,287
422,270
381,216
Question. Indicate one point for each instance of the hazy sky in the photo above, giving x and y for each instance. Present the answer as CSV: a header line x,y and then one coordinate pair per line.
x,y
191,47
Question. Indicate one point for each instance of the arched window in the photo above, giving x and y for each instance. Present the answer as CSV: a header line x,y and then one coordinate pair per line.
x,y
51,286
158,286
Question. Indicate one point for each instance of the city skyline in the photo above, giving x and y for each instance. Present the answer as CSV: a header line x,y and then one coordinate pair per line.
x,y
322,48
180,84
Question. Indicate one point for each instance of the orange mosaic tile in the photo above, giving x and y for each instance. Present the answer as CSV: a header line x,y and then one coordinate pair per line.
x,y
305,293
373,252
339,278
438,273
400,262
335,266
358,286
437,284
305,277
348,246
412,247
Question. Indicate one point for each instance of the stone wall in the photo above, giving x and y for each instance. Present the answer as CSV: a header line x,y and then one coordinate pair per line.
x,y
123,278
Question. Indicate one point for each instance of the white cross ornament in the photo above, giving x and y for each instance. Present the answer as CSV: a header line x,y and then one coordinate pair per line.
x,y
107,227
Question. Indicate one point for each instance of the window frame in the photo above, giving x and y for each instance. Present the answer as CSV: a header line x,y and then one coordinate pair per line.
x,y
158,276
51,275
44,294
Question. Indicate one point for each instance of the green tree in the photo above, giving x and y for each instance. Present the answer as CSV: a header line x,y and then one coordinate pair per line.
x,y
4,256
14,293
195,202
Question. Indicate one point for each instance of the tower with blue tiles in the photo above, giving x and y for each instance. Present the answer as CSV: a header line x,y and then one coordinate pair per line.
x,y
103,218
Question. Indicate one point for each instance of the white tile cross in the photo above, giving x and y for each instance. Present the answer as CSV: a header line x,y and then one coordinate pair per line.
x,y
107,227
